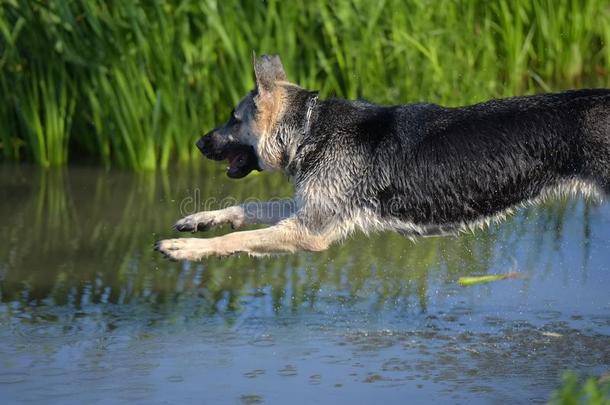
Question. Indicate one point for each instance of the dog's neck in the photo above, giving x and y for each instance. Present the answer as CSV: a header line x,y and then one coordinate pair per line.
x,y
297,133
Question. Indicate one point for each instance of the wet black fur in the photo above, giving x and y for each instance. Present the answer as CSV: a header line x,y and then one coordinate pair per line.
x,y
432,165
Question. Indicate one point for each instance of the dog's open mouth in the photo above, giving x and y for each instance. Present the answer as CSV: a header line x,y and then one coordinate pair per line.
x,y
242,161
242,158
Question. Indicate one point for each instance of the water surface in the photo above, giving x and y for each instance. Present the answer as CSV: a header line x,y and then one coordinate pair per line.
x,y
90,314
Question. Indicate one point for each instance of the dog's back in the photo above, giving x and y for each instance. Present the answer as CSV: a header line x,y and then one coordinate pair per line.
x,y
432,166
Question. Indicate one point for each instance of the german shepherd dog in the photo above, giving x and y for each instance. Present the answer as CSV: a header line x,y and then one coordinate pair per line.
x,y
419,169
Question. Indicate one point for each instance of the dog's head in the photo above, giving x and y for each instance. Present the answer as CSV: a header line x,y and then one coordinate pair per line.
x,y
249,139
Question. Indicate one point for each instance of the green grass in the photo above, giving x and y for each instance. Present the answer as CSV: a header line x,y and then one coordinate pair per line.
x,y
573,391
134,83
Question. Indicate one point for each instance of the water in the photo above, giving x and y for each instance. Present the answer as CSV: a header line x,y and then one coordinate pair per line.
x,y
90,314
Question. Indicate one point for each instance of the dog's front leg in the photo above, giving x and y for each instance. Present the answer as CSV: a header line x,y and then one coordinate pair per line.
x,y
288,236
252,213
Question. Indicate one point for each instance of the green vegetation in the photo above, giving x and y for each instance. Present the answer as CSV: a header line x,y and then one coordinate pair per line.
x,y
134,83
592,391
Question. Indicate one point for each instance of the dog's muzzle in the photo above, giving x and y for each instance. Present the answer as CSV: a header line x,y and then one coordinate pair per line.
x,y
242,158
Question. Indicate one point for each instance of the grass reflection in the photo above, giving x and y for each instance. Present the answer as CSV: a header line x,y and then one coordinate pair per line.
x,y
83,236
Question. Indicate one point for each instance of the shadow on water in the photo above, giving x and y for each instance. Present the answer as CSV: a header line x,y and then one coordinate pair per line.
x,y
79,280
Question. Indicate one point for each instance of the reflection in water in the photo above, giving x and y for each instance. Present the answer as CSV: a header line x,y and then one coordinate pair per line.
x,y
78,279
84,237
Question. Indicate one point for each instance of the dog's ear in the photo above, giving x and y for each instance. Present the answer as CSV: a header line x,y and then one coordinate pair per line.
x,y
268,70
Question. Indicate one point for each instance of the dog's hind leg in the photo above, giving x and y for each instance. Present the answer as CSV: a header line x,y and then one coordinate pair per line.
x,y
252,213
288,236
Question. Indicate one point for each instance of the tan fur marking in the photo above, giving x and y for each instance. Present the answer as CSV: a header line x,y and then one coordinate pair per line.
x,y
251,213
286,237
270,108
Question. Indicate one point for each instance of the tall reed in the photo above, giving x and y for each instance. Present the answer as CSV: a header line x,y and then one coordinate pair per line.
x,y
134,83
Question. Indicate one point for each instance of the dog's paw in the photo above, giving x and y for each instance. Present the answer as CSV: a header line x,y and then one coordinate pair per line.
x,y
193,249
203,221
194,223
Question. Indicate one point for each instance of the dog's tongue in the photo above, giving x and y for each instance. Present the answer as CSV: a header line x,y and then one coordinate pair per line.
x,y
235,163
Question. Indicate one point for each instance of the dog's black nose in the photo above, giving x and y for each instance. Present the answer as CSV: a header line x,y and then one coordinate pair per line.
x,y
204,143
